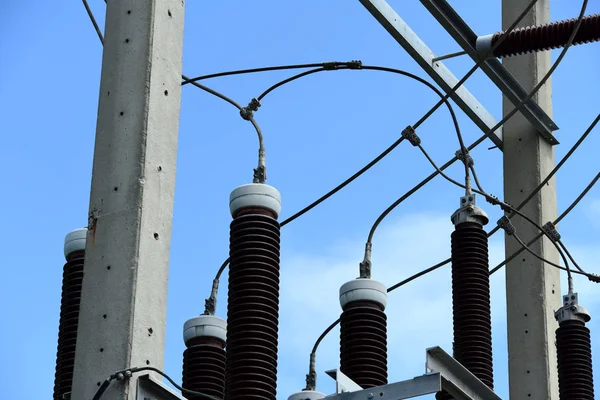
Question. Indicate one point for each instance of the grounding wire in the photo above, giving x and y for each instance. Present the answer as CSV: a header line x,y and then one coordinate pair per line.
x,y
126,374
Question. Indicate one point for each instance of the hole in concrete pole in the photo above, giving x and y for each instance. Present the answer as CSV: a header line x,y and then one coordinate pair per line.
x,y
155,235
166,92
169,12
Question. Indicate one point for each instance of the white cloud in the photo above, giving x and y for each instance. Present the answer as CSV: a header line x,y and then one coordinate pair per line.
x,y
419,314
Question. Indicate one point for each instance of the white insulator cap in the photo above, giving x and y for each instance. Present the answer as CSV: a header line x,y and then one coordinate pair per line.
x,y
484,43
307,395
363,289
75,241
255,195
205,326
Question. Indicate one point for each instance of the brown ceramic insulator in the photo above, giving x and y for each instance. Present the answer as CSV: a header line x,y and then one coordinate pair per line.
x,y
574,352
204,367
253,306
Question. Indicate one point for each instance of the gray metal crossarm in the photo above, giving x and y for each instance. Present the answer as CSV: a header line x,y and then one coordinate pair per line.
x,y
419,51
510,87
149,388
408,389
456,379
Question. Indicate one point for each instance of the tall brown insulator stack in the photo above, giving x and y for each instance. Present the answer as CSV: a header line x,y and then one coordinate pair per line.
x,y
74,250
363,332
253,297
471,293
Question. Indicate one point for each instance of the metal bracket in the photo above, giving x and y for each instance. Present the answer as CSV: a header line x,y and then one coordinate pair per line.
x,y
149,388
456,379
343,384
510,87
419,386
419,51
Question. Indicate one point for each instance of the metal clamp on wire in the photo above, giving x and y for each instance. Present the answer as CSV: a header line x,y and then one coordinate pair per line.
x,y
504,223
459,155
365,265
550,229
335,65
247,112
593,277
493,200
410,134
210,304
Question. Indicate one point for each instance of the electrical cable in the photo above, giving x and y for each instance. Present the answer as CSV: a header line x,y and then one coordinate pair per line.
x,y
447,261
251,71
93,20
550,71
126,374
376,159
560,217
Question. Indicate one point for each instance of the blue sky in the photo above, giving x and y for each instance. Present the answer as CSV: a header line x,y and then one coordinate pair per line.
x,y
318,131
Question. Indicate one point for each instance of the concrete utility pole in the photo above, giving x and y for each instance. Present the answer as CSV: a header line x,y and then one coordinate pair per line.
x,y
123,305
533,288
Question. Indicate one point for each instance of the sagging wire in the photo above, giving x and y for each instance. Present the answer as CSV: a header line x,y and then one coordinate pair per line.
x,y
127,373
255,103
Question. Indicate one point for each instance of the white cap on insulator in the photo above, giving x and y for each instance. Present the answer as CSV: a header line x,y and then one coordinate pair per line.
x,y
75,241
484,43
205,326
363,289
307,395
255,195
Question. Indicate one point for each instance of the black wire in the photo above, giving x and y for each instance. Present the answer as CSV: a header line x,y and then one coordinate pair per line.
x,y
93,20
291,79
251,71
562,245
215,93
539,235
477,65
376,159
415,189
134,370
550,71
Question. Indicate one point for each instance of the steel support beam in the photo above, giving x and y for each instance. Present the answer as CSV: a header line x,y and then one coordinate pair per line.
x,y
532,287
510,87
124,293
456,379
419,51
419,386
149,388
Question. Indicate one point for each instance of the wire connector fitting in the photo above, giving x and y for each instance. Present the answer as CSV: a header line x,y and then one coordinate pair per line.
x,y
571,310
365,265
551,231
248,112
504,223
335,65
410,134
593,277
311,377
210,304
459,155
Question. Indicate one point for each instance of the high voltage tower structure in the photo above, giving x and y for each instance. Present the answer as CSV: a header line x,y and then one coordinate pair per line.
x,y
113,309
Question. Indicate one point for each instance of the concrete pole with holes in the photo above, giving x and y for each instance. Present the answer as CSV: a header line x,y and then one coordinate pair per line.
x,y
532,288
124,294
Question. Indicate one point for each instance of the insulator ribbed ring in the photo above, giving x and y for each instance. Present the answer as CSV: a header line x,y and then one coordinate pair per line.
x,y
253,307
471,303
363,343
68,323
204,371
574,353
547,36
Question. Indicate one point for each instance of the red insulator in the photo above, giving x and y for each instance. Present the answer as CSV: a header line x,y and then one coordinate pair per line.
x,y
204,367
547,36
69,313
253,305
574,352
363,343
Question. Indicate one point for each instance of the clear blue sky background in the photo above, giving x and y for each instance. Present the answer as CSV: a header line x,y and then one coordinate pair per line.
x,y
318,131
